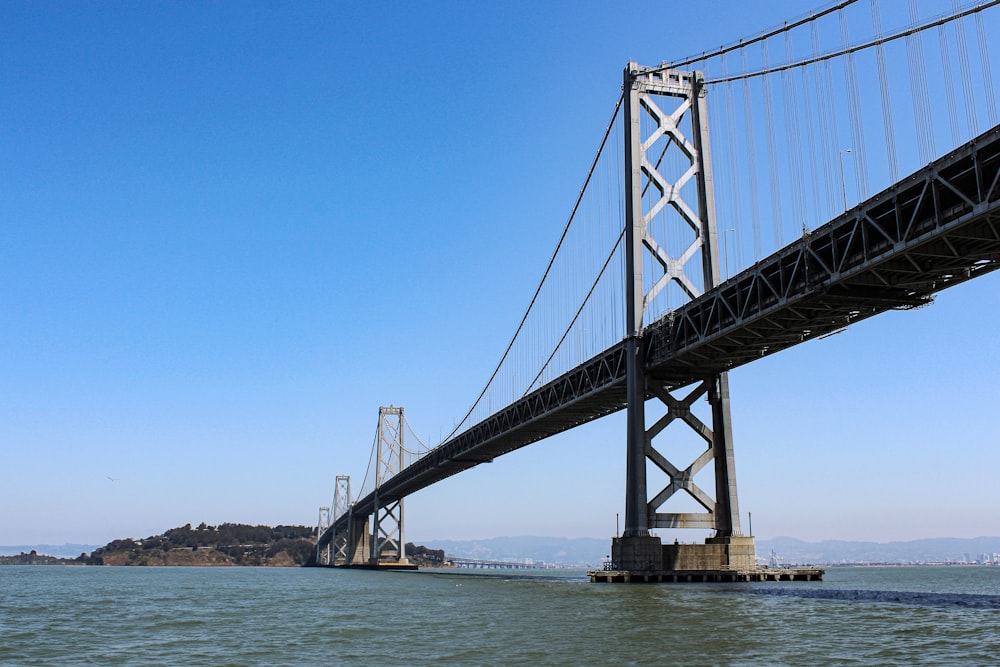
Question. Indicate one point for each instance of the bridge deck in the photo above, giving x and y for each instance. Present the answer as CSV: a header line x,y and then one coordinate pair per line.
x,y
934,229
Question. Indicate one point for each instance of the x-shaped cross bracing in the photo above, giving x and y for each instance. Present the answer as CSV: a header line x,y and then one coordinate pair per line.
x,y
670,194
679,409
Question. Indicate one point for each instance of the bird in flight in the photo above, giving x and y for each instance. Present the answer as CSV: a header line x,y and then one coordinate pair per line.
x,y
113,479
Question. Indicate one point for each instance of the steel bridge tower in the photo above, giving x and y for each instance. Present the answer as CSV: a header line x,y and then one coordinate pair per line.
x,y
323,554
387,531
648,191
341,542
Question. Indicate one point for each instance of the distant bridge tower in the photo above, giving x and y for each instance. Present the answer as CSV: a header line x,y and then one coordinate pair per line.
x,y
323,554
341,505
650,195
387,532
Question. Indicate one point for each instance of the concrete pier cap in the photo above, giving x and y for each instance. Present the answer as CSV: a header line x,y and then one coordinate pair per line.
x,y
649,554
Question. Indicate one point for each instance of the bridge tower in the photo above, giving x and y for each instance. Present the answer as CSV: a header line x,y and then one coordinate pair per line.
x,y
648,191
387,531
323,554
341,542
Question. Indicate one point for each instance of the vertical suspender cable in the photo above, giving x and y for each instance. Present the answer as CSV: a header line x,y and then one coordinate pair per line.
x,y
772,158
984,57
968,95
854,113
918,90
949,85
751,161
827,123
814,162
793,140
734,220
883,84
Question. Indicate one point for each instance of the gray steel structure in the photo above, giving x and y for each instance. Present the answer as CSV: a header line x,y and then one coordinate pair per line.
x,y
387,529
933,229
341,507
324,554
645,91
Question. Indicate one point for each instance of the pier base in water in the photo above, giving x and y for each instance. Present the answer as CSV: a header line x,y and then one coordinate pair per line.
x,y
647,553
385,565
701,576
725,558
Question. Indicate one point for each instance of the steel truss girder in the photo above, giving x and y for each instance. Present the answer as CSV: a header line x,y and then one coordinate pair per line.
x,y
936,228
932,239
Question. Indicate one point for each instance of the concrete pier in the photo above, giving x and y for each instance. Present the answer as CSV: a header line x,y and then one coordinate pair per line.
x,y
704,576
720,559
383,565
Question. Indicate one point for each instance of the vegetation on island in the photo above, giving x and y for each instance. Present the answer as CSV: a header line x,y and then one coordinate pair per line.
x,y
225,544
35,558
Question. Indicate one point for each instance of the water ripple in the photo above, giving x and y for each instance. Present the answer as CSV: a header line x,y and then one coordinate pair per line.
x,y
913,598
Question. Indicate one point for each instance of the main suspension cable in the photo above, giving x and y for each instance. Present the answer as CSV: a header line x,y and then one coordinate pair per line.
x,y
852,49
562,237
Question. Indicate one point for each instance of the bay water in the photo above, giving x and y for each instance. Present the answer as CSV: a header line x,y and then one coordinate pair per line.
x,y
68,615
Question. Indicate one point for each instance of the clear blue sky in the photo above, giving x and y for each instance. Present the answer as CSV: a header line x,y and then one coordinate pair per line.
x,y
230,231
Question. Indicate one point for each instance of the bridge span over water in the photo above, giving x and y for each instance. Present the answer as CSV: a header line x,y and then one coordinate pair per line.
x,y
687,321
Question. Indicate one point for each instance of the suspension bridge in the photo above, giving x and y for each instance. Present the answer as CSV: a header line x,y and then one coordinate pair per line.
x,y
690,252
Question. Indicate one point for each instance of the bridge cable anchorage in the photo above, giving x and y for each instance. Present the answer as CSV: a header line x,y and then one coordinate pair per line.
x,y
845,51
545,275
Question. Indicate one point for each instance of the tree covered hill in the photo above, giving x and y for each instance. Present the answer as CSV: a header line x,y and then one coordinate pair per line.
x,y
225,544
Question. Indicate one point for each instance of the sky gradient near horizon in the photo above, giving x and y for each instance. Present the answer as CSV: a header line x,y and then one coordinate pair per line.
x,y
229,232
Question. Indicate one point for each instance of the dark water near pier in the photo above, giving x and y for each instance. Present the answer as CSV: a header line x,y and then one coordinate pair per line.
x,y
257,616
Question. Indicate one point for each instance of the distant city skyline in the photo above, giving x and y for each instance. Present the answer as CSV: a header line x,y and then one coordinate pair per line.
x,y
229,233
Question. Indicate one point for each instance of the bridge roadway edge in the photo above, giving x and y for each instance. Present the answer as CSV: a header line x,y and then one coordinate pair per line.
x,y
933,229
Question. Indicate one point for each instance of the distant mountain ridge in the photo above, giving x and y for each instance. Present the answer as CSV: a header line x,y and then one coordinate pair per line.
x,y
928,550
575,551
591,551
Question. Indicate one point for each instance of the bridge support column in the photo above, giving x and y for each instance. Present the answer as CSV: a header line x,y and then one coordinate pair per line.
x,y
651,197
387,543
324,554
357,541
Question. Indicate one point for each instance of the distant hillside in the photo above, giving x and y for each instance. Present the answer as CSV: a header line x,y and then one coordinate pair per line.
x,y
225,544
57,550
831,552
571,552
